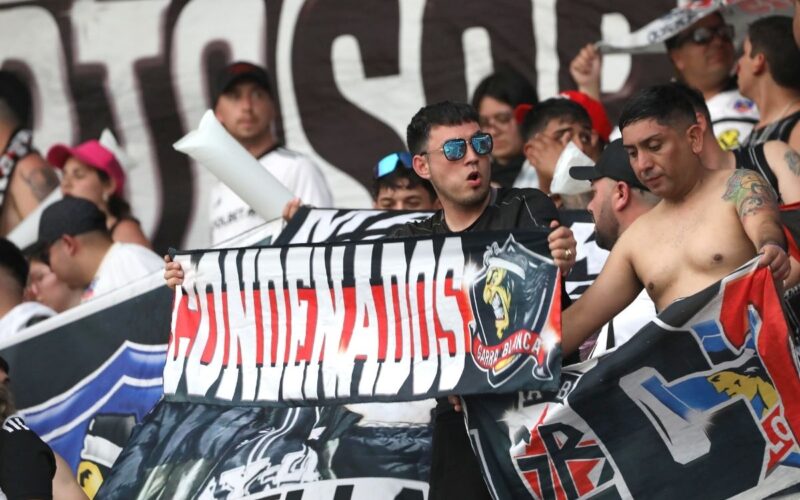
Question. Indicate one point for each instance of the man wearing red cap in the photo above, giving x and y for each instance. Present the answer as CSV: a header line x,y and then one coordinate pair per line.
x,y
243,103
25,178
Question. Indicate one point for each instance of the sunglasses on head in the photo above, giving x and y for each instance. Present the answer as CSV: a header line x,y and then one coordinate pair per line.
x,y
455,149
390,162
704,35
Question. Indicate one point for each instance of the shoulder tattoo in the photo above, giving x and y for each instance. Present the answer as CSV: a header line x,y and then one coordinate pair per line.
x,y
42,181
793,161
750,193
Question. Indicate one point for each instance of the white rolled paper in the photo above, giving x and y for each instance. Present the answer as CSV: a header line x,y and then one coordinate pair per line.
x,y
562,182
26,233
214,148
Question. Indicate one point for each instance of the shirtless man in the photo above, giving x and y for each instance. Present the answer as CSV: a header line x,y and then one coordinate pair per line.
x,y
25,177
708,223
778,163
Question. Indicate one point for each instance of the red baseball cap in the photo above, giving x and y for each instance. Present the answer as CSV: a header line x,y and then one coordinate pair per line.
x,y
596,112
93,154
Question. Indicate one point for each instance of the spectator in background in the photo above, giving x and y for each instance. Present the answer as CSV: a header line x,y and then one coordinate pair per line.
x,y
75,242
15,314
549,127
618,199
496,98
243,103
25,177
778,163
45,287
769,74
703,57
25,460
92,172
396,186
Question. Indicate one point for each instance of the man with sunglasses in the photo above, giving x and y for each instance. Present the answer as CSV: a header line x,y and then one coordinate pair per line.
x,y
452,152
396,186
704,58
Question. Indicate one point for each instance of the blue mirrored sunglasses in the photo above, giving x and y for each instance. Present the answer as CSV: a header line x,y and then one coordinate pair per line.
x,y
389,163
455,149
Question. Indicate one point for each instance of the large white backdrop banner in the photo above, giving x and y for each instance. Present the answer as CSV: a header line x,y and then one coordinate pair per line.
x,y
348,76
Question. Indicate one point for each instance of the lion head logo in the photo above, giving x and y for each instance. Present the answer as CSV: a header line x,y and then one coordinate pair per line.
x,y
511,300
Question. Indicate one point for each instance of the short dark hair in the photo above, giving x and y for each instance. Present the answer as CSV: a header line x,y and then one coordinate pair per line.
x,y
441,113
664,103
395,180
773,37
695,98
556,107
506,85
14,262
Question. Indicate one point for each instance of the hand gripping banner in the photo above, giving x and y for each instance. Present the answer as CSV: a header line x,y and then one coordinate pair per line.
x,y
391,320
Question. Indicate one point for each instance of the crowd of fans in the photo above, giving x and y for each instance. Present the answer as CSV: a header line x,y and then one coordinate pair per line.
x,y
696,168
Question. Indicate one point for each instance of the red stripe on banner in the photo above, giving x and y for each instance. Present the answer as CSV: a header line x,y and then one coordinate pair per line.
x,y
383,327
211,345
186,325
423,318
772,342
273,309
398,331
348,296
188,322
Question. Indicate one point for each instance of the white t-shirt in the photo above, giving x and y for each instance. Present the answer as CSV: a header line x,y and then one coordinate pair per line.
x,y
17,318
231,216
627,323
123,263
733,116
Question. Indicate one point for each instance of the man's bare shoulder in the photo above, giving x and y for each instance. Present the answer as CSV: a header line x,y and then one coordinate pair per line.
x,y
32,162
33,174
745,189
782,158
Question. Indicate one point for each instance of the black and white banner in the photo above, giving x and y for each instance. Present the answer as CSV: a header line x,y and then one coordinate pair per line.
x,y
701,403
390,320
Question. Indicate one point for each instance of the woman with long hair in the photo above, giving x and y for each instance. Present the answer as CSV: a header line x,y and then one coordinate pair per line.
x,y
92,172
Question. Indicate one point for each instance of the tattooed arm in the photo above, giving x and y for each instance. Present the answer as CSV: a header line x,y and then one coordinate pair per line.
x,y
33,180
785,164
756,205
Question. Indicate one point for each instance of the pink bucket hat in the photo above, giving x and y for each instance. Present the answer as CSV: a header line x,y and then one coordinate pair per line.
x,y
93,154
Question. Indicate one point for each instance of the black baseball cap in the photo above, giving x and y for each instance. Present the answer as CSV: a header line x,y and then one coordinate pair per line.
x,y
614,164
69,215
237,71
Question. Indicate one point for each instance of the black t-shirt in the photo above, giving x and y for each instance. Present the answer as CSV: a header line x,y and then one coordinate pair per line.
x,y
505,175
509,208
27,464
